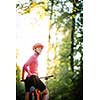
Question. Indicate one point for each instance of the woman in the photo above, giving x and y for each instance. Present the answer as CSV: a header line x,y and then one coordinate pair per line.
x,y
31,67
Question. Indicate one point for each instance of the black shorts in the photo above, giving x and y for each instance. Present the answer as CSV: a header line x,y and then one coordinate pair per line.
x,y
34,81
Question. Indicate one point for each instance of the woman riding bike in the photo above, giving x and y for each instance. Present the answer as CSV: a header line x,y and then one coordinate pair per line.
x,y
31,67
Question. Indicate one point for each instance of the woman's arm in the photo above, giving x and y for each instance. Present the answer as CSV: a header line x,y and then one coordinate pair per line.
x,y
25,67
23,72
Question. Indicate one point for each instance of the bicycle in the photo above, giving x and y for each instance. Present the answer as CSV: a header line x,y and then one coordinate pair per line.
x,y
35,94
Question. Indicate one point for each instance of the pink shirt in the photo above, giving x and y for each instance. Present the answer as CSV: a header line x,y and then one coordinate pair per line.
x,y
32,65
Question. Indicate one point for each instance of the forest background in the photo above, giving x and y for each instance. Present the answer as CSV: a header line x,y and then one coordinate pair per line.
x,y
91,50
64,56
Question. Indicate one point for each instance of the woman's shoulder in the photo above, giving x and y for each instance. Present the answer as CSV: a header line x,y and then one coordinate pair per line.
x,y
32,57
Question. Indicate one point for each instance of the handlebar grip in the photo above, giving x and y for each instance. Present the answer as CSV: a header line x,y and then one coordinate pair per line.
x,y
22,80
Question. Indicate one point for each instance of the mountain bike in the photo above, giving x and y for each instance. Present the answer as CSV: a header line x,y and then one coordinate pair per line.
x,y
35,94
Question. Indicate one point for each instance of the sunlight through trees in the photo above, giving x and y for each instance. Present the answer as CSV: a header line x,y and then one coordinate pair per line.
x,y
64,42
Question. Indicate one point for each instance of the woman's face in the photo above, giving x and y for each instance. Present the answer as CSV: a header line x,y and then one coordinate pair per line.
x,y
39,50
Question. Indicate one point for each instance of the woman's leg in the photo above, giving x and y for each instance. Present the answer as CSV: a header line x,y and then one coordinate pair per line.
x,y
27,96
45,94
27,88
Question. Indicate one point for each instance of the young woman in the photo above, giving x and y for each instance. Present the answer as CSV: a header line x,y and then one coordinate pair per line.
x,y
31,67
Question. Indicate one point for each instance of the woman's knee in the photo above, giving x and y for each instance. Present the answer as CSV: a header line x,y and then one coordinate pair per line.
x,y
45,92
27,96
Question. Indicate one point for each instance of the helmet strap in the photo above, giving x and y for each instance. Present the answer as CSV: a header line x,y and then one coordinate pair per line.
x,y
36,51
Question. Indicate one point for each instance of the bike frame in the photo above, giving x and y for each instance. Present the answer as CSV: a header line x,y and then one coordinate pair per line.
x,y
34,93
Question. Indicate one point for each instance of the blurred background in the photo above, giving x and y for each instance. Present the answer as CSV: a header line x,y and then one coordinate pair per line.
x,y
58,25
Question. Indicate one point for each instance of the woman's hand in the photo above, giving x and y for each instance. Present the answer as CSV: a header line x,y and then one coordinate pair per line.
x,y
29,73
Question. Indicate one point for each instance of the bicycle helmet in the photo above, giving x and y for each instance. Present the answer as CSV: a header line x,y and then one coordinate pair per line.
x,y
37,45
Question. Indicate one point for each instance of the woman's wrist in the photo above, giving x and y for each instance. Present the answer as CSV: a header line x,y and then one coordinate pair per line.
x,y
29,73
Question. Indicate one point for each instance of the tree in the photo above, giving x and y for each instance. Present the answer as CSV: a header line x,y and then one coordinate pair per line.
x,y
69,54
65,44
19,86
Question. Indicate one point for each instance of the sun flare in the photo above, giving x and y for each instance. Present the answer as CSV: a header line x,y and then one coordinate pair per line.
x,y
30,30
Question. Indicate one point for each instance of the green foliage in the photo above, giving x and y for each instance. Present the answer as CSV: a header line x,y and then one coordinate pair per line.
x,y
17,73
60,87
26,7
68,84
20,91
19,86
60,13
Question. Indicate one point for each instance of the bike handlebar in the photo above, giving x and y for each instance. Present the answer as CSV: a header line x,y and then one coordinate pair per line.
x,y
46,77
